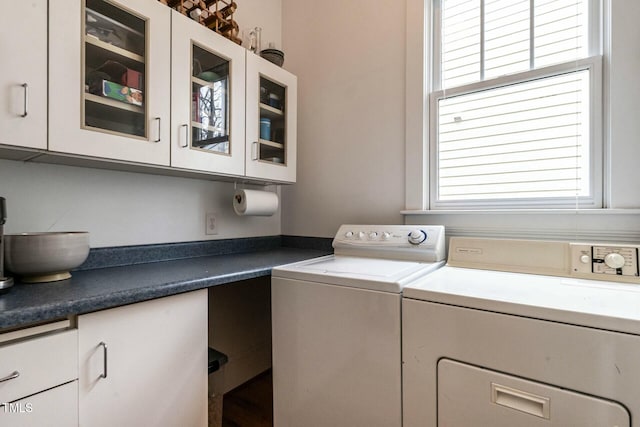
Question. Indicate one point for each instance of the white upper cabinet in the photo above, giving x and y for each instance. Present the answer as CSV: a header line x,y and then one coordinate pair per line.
x,y
23,80
270,121
109,79
207,99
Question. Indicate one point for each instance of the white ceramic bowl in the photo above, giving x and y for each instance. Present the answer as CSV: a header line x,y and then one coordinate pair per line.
x,y
45,257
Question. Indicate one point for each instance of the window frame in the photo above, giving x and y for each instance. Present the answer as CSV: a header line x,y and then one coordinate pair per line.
x,y
432,93
594,65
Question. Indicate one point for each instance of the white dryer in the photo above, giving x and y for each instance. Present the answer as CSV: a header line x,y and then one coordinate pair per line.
x,y
538,343
336,327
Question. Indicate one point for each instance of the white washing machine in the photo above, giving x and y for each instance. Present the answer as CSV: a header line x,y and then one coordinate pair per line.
x,y
336,327
524,333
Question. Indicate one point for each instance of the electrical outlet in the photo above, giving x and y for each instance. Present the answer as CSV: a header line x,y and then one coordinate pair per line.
x,y
211,225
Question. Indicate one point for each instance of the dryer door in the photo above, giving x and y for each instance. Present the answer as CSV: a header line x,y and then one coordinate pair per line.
x,y
471,396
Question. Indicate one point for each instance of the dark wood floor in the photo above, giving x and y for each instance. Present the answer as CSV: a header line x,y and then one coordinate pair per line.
x,y
251,404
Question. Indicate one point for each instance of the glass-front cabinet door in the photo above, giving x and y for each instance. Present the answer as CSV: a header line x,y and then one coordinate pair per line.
x,y
270,121
207,113
109,97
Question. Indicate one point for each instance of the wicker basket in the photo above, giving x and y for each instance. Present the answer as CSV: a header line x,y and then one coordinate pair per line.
x,y
214,14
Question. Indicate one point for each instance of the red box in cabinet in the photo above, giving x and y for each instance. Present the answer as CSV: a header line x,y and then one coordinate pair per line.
x,y
133,79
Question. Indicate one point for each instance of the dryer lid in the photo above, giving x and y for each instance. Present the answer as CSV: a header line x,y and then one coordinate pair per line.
x,y
602,305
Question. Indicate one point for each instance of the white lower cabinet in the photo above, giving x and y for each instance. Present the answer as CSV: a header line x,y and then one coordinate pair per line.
x,y
55,407
38,377
145,364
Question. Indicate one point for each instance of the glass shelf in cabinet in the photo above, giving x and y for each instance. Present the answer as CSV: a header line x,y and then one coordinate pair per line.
x,y
113,103
270,112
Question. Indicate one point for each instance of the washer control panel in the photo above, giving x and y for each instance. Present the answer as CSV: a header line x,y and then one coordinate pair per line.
x,y
408,242
600,259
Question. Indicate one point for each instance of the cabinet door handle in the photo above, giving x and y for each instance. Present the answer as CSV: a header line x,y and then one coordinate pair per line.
x,y
186,136
26,99
104,353
11,376
254,150
159,128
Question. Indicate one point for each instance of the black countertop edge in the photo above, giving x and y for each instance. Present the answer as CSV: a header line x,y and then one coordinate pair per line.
x,y
63,309
102,288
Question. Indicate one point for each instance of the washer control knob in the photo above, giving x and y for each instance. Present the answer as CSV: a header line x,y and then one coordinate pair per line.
x,y
417,236
614,260
361,235
585,259
348,234
373,235
386,235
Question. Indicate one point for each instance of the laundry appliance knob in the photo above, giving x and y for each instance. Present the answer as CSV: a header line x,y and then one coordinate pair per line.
x,y
417,236
614,260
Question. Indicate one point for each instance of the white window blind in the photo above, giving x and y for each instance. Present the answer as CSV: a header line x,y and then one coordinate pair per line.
x,y
512,118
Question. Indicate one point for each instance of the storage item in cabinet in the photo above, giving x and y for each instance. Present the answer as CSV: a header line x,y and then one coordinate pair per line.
x,y
272,96
207,99
23,80
114,44
121,75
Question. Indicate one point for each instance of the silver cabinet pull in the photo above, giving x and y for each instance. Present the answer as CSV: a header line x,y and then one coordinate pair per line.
x,y
104,353
186,136
159,128
11,376
26,99
254,150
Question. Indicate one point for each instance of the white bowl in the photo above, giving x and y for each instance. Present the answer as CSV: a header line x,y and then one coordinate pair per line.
x,y
45,257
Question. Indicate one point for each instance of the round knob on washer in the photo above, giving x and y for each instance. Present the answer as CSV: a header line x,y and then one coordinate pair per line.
x,y
417,236
614,260
373,235
361,234
585,259
386,235
348,234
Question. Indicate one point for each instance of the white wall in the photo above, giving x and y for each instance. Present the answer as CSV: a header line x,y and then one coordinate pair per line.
x,y
624,99
349,59
266,14
121,208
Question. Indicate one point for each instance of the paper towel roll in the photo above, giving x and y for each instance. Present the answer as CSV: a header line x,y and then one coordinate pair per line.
x,y
255,202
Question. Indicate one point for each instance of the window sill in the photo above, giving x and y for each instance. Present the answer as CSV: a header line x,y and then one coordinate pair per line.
x,y
522,212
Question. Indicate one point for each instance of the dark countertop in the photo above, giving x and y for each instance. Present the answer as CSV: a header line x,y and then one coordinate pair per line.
x,y
97,289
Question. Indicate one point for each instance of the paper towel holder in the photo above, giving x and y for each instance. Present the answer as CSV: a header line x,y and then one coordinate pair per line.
x,y
235,187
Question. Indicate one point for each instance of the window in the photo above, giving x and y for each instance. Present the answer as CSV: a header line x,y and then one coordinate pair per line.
x,y
515,114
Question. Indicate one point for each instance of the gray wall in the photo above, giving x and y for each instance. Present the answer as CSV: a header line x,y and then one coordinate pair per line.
x,y
121,208
349,58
